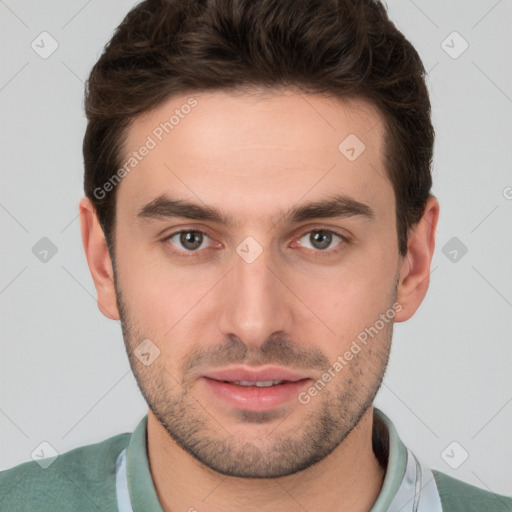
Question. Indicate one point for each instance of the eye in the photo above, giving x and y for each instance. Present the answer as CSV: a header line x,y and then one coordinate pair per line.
x,y
320,239
189,240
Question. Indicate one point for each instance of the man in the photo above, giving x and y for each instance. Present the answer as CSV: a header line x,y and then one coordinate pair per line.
x,y
258,214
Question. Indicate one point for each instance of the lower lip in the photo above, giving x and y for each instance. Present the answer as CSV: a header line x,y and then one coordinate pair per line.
x,y
252,398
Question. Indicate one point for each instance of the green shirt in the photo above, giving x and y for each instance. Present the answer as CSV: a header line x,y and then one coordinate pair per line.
x,y
114,475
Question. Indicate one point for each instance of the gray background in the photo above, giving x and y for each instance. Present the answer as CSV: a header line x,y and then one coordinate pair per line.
x,y
64,375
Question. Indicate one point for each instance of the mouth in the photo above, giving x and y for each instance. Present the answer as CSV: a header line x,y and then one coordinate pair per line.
x,y
251,389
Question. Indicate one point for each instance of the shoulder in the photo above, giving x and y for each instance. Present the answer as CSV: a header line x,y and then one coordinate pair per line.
x,y
79,480
459,496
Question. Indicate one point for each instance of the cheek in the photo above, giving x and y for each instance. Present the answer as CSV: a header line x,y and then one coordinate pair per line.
x,y
353,295
167,302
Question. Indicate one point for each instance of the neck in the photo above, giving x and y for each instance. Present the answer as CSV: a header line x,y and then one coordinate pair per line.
x,y
350,478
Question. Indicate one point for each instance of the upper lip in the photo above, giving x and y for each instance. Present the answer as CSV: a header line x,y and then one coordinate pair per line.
x,y
254,374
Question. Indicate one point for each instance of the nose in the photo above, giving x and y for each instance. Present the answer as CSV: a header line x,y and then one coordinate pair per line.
x,y
254,301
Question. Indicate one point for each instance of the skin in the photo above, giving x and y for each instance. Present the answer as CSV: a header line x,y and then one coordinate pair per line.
x,y
254,156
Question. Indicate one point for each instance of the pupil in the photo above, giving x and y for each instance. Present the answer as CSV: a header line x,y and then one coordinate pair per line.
x,y
321,239
191,239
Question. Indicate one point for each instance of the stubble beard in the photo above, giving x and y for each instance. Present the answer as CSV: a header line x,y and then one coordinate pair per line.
x,y
240,450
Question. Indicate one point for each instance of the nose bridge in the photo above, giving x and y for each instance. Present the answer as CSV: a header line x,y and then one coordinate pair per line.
x,y
254,302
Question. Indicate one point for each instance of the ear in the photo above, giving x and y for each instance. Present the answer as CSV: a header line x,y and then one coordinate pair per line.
x,y
415,266
98,259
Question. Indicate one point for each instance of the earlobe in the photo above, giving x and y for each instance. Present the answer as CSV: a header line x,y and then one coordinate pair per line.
x,y
98,259
415,267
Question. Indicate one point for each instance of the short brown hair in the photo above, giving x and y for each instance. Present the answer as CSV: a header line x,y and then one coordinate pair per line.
x,y
342,48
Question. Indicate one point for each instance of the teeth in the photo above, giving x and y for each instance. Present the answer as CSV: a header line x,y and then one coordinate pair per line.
x,y
259,383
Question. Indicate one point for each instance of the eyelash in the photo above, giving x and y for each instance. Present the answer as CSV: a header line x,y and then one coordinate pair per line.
x,y
318,252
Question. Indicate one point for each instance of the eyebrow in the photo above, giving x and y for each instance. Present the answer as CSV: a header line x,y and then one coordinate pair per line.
x,y
337,206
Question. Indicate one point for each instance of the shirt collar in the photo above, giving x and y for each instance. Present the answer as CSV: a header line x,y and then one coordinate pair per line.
x,y
389,448
143,495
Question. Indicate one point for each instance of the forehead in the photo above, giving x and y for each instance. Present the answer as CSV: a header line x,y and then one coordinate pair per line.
x,y
254,154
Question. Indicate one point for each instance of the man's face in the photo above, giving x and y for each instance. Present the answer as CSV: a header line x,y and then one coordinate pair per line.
x,y
270,290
